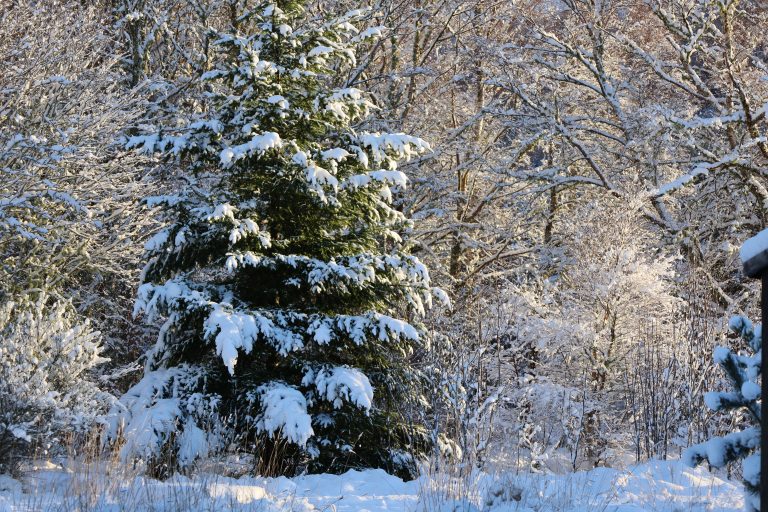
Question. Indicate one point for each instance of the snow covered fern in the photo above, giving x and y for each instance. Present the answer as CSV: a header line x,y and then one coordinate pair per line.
x,y
46,356
743,372
281,277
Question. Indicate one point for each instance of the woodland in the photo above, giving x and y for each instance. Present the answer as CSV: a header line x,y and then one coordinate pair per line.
x,y
315,236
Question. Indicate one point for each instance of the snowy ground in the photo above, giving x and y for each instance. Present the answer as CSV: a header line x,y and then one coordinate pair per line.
x,y
654,487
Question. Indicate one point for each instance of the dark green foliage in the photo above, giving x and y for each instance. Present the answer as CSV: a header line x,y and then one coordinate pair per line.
x,y
282,263
743,372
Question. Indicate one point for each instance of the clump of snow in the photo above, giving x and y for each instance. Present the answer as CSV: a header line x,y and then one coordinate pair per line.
x,y
740,323
393,178
258,144
751,469
399,145
284,410
157,241
754,246
342,383
319,50
222,211
718,449
237,330
337,154
322,333
750,390
143,419
164,407
317,176
193,443
721,354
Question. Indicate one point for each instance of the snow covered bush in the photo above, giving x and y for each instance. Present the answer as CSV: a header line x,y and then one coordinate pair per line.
x,y
281,276
743,371
575,335
46,356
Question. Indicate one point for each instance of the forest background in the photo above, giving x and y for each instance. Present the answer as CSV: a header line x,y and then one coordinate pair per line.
x,y
594,168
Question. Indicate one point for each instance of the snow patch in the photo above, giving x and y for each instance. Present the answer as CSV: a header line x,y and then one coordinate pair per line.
x,y
659,486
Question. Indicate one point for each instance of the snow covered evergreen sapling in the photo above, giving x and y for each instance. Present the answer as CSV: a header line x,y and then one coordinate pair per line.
x,y
46,355
280,265
743,372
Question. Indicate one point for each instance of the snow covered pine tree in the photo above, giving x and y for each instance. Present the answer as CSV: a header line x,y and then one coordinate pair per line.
x,y
743,372
279,267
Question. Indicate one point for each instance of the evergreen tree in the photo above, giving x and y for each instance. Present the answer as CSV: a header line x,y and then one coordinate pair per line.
x,y
743,372
47,391
280,266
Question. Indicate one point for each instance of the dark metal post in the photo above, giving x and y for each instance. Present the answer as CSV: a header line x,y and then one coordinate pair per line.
x,y
764,395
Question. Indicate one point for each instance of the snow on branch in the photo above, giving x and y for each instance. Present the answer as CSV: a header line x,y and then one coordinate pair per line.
x,y
237,330
284,413
259,144
735,157
340,384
